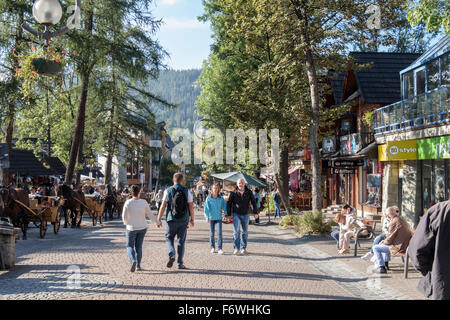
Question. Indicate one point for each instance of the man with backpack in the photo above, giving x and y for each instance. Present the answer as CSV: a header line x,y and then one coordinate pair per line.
x,y
177,203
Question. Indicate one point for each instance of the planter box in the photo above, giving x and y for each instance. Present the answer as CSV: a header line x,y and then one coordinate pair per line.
x,y
7,247
47,67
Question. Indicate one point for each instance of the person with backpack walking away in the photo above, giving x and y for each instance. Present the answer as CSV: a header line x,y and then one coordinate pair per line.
x,y
135,211
429,250
238,205
276,201
178,206
214,205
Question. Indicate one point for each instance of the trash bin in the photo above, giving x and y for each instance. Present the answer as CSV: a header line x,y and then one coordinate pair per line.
x,y
7,245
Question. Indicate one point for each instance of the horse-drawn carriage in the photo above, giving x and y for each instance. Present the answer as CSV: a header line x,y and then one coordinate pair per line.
x,y
95,207
22,211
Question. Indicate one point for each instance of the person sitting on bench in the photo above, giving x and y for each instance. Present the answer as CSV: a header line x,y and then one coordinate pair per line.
x,y
396,242
348,229
385,224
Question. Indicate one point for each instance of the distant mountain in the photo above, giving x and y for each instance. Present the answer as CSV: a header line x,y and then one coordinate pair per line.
x,y
180,88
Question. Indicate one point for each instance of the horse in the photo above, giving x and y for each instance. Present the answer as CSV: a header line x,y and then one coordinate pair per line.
x,y
110,203
13,210
74,201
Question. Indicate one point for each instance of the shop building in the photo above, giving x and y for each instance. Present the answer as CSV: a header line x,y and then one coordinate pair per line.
x,y
351,168
413,136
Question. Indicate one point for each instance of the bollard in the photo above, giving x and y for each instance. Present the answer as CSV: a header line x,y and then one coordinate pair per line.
x,y
7,246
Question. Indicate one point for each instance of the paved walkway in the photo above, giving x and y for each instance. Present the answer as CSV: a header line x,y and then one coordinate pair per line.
x,y
279,266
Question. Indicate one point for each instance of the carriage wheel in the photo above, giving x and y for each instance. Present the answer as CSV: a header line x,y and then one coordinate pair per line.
x,y
43,229
57,224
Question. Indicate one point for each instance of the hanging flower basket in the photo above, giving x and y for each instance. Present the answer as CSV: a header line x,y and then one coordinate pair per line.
x,y
47,67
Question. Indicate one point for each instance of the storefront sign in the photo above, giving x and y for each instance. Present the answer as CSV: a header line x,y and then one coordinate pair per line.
x,y
341,171
398,150
434,148
347,163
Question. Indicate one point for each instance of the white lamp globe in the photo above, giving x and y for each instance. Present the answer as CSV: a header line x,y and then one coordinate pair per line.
x,y
48,12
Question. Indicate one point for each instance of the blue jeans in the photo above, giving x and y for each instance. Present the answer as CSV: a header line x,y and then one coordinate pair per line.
x,y
240,240
178,229
277,210
135,239
379,250
377,240
335,235
212,240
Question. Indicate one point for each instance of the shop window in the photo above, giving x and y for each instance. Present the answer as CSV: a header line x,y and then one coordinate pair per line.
x,y
445,67
408,85
420,81
372,188
427,173
439,181
433,76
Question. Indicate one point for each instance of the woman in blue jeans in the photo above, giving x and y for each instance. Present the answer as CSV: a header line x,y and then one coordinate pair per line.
x,y
134,215
276,201
214,205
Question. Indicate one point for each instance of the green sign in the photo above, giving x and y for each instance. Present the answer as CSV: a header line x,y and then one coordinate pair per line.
x,y
434,148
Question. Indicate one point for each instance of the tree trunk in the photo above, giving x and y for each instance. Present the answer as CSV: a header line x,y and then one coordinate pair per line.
x,y
282,180
111,138
314,132
79,129
9,142
80,161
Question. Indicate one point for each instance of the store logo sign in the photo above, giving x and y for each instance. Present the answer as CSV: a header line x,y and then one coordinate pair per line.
x,y
398,150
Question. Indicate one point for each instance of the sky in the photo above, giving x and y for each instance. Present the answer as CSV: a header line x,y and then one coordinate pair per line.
x,y
186,39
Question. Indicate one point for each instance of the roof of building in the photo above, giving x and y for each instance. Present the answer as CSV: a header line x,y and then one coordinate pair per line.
x,y
337,85
23,162
441,47
58,168
380,83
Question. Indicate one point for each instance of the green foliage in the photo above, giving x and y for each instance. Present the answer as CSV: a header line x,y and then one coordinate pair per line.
x,y
434,14
269,205
312,223
290,220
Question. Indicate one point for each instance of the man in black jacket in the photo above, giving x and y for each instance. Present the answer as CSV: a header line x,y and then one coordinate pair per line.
x,y
429,250
239,205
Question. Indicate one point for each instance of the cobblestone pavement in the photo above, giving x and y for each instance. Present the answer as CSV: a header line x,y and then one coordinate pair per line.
x,y
279,266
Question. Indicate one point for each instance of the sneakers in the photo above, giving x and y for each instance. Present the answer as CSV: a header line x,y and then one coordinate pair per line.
x,y
373,259
220,251
133,267
380,270
244,252
170,263
367,256
182,267
236,251
213,250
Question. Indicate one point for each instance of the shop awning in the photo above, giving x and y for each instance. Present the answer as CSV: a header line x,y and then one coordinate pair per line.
x,y
370,151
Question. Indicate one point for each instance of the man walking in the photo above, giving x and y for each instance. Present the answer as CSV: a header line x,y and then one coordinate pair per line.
x,y
429,250
239,205
177,203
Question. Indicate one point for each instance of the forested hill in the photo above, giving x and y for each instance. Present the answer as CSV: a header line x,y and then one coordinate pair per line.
x,y
180,88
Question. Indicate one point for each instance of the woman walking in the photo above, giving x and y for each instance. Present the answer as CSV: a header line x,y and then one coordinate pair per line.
x,y
276,201
135,211
214,205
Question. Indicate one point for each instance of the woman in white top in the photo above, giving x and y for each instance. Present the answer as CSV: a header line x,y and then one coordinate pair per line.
x,y
135,211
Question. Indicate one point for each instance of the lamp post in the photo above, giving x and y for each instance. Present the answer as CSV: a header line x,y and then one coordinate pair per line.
x,y
201,132
49,13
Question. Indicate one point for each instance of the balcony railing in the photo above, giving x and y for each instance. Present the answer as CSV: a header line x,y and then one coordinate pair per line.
x,y
430,108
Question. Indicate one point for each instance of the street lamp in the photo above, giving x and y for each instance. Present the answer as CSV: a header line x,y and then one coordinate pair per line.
x,y
49,13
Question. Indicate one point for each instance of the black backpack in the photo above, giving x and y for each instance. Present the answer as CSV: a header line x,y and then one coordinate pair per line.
x,y
179,203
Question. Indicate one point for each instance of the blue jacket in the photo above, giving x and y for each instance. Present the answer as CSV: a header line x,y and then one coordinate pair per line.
x,y
214,207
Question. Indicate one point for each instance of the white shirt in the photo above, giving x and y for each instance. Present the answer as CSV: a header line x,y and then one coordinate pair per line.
x,y
134,213
190,199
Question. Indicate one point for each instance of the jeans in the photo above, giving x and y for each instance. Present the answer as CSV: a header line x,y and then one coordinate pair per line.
x,y
178,229
335,235
277,210
240,240
212,240
379,250
135,239
377,240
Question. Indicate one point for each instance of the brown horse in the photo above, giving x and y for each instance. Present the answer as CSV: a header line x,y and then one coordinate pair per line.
x,y
72,199
13,210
